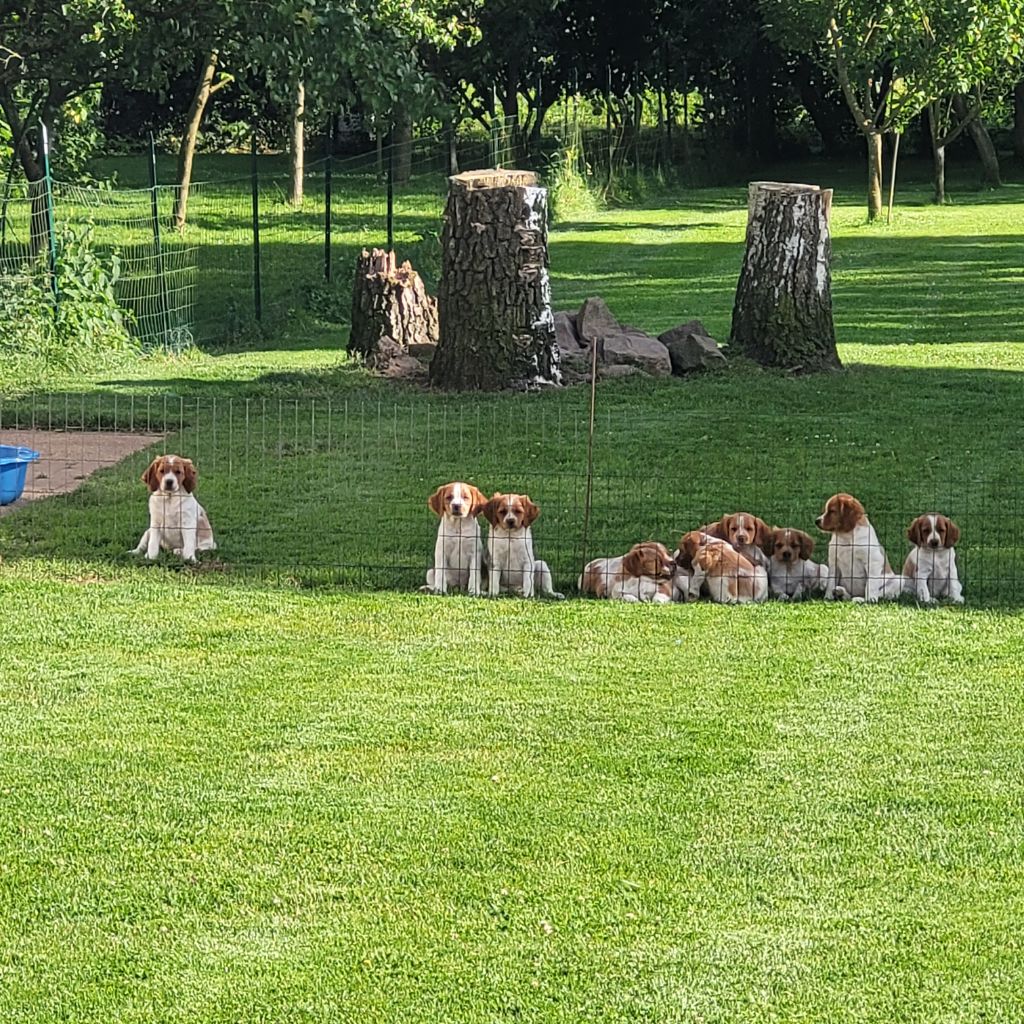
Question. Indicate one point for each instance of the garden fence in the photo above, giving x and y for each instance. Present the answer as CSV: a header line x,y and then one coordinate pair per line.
x,y
334,491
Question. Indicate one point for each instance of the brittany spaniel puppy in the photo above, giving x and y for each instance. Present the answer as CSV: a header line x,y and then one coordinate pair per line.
x,y
730,577
857,566
644,574
177,522
458,552
930,569
746,533
792,574
512,566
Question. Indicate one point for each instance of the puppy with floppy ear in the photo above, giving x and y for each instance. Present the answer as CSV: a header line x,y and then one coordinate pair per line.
x,y
458,550
930,569
747,533
644,573
791,573
731,577
857,566
512,566
177,522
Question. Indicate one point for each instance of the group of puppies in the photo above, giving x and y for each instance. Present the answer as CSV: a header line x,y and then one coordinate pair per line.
x,y
736,560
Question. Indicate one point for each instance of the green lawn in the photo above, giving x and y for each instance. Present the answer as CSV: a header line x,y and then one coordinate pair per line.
x,y
235,794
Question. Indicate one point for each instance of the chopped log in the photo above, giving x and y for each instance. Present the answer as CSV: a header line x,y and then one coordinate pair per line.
x,y
494,300
783,311
390,306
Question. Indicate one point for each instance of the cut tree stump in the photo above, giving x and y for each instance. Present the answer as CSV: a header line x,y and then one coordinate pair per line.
x,y
494,300
390,307
783,311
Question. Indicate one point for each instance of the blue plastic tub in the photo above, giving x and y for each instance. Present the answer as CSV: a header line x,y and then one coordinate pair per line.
x,y
13,464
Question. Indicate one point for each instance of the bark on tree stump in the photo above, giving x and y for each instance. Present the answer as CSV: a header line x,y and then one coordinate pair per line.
x,y
389,304
783,311
494,300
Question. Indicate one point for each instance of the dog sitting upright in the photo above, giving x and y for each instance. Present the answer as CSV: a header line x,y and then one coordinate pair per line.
x,y
511,565
930,569
791,573
177,522
458,551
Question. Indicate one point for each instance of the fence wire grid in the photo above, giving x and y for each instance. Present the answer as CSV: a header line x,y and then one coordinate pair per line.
x,y
336,492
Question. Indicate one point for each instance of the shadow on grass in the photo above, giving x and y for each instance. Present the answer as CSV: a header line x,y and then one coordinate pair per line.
x,y
333,489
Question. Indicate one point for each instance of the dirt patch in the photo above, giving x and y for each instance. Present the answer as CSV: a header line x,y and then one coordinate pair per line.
x,y
67,458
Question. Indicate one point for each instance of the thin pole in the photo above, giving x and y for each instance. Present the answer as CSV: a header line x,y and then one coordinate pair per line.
x,y
670,110
328,184
391,192
892,179
51,226
588,496
257,291
608,121
157,247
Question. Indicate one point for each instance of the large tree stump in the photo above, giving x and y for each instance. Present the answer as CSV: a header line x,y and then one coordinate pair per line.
x,y
783,311
494,301
390,307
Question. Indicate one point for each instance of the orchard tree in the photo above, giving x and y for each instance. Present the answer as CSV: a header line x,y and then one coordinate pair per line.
x,y
891,58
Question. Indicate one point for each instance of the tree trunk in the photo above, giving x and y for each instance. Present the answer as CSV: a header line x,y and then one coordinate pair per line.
x,y
497,329
298,147
401,139
391,309
990,175
783,311
1018,120
874,141
187,149
938,154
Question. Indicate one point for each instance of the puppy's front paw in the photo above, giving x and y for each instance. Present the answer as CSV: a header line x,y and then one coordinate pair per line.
x,y
661,599
555,596
782,597
959,599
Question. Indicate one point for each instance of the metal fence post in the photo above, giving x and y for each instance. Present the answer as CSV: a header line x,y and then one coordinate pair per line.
x,y
328,182
257,295
51,226
391,192
608,123
157,247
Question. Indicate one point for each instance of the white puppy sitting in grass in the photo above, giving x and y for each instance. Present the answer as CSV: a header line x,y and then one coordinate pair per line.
x,y
511,565
177,522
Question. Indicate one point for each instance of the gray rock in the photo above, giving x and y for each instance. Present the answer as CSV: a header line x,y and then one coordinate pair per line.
x,y
680,332
695,352
391,360
617,370
640,350
566,337
594,320
423,350
578,359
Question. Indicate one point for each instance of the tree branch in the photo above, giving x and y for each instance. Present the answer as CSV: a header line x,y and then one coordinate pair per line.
x,y
843,74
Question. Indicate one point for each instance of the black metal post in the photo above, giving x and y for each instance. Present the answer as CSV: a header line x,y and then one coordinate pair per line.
x,y
257,293
154,206
670,111
51,220
608,123
328,185
391,192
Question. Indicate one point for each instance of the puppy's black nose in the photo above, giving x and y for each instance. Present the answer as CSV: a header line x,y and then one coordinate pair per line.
x,y
933,543
818,521
787,555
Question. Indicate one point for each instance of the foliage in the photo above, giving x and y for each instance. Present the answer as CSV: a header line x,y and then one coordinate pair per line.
x,y
85,330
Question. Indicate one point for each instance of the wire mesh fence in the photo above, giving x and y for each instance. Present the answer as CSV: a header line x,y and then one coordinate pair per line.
x,y
335,491
244,255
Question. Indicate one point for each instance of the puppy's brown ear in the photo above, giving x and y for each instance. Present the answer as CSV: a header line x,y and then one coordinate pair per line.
x,y
479,500
151,477
763,535
530,511
189,479
915,532
806,544
490,510
633,563
952,531
436,501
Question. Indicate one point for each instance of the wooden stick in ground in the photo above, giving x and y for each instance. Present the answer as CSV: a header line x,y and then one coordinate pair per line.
x,y
892,177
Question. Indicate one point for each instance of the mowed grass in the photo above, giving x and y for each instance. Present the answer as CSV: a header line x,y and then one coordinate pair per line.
x,y
253,805
227,799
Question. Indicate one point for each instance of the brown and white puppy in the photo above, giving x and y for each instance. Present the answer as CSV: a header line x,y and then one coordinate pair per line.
x,y
458,551
791,573
511,565
730,577
177,522
747,533
857,566
930,572
643,574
